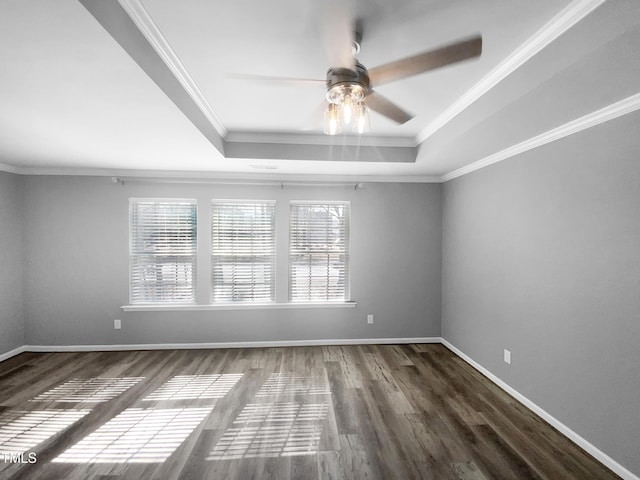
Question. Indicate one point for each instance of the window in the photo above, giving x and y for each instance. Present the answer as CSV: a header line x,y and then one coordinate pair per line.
x,y
162,250
243,251
319,251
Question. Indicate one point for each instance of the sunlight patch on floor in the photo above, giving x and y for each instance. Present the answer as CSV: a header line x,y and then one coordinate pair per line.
x,y
88,390
192,387
21,431
273,430
152,434
137,435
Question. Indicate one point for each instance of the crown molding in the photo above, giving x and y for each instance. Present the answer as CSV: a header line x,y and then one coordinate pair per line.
x,y
563,21
205,177
610,112
296,138
141,17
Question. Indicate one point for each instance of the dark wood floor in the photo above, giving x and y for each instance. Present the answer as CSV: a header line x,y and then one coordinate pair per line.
x,y
351,412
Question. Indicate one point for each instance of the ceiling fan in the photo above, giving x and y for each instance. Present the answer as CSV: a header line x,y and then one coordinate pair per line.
x,y
350,85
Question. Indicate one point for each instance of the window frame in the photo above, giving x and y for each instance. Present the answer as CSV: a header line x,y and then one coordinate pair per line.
x,y
346,298
274,254
201,273
194,262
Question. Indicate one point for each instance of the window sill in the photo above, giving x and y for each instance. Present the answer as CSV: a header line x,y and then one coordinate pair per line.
x,y
234,306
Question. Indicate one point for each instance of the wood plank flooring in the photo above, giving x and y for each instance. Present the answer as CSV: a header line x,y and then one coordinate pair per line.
x,y
336,412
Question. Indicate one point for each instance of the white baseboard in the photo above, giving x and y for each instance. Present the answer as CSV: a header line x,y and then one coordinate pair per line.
x,y
570,434
13,353
195,346
566,431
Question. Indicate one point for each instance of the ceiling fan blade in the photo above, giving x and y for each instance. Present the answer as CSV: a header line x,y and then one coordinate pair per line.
x,y
423,62
277,79
117,22
385,107
336,27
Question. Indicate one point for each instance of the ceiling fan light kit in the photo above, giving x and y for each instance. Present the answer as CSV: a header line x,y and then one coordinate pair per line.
x,y
346,110
351,87
346,117
350,94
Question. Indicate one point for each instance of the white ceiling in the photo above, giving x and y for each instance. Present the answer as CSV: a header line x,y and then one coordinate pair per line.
x,y
72,100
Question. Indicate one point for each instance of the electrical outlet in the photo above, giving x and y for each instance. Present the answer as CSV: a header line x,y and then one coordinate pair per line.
x,y
507,356
370,319
117,324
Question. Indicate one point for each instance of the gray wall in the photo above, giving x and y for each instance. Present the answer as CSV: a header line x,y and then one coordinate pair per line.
x,y
77,265
11,257
542,257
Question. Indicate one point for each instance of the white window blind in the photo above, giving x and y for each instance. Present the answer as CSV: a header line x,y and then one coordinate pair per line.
x,y
319,251
243,251
162,250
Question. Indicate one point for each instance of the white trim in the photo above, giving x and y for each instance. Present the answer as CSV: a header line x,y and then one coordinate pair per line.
x,y
320,202
240,201
141,17
293,138
208,346
234,306
610,112
184,176
561,427
563,21
13,353
605,114
190,201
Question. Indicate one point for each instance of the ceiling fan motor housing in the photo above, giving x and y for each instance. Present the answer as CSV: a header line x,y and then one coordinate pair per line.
x,y
341,80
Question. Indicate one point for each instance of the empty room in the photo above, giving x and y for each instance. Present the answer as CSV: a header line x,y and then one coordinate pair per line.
x,y
349,239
